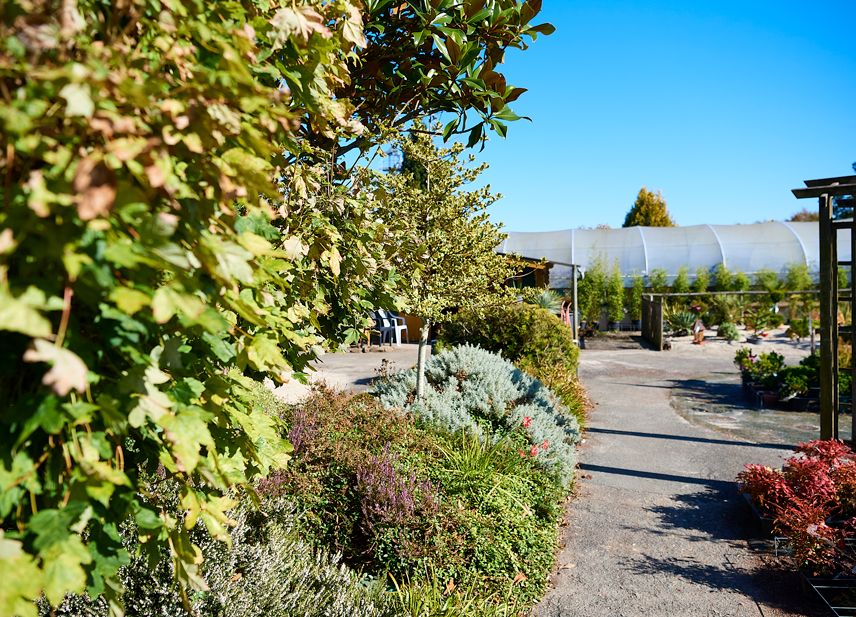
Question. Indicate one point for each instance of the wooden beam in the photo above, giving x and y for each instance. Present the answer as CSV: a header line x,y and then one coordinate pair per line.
x,y
827,306
733,293
831,190
852,363
828,181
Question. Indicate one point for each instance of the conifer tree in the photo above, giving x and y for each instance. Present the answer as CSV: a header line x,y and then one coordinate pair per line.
x,y
649,211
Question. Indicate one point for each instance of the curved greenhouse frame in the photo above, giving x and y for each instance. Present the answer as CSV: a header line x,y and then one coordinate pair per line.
x,y
640,250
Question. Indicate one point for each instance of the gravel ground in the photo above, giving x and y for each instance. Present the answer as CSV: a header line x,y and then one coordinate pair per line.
x,y
657,527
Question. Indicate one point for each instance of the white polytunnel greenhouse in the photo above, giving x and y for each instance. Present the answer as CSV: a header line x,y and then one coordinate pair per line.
x,y
640,250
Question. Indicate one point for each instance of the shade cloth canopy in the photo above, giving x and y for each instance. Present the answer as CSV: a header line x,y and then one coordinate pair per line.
x,y
640,250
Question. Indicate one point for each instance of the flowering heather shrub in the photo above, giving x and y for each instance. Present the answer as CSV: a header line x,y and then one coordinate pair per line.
x,y
303,429
395,499
473,389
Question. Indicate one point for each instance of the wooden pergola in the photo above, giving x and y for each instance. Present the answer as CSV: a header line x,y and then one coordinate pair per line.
x,y
830,295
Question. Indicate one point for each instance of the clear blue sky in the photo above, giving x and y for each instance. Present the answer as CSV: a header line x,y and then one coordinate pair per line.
x,y
723,106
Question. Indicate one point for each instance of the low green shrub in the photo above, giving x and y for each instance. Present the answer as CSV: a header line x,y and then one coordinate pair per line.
x,y
729,332
775,320
474,389
796,381
798,328
516,332
394,494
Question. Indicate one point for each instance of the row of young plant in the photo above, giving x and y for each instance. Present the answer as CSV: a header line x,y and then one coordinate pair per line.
x,y
812,501
604,287
390,505
768,371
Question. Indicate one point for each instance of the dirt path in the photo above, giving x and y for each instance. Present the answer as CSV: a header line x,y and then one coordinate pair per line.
x,y
658,527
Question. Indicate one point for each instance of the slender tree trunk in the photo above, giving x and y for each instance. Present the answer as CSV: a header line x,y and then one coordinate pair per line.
x,y
424,332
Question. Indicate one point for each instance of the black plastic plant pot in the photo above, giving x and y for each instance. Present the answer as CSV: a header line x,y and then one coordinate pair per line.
x,y
838,591
636,324
800,403
763,524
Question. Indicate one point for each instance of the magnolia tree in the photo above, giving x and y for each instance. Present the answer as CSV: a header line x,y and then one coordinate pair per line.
x,y
173,220
451,262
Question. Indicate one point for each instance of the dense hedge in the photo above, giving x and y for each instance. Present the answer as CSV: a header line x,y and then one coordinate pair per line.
x,y
516,332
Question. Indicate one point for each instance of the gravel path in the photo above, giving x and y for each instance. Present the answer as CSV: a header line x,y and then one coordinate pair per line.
x,y
657,527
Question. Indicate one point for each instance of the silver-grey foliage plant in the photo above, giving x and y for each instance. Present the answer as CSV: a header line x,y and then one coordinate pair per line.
x,y
268,570
467,384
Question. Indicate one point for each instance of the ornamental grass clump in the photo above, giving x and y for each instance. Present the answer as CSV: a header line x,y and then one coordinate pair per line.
x,y
472,389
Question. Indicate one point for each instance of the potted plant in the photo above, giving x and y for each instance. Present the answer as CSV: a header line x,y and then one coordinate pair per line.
x,y
812,501
756,322
729,332
794,385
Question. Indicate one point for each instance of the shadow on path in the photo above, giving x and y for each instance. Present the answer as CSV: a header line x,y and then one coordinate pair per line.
x,y
773,446
719,514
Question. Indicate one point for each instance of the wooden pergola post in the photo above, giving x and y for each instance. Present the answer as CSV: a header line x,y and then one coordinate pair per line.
x,y
825,189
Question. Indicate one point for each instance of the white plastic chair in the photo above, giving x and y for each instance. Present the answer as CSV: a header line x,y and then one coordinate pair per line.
x,y
400,325
383,326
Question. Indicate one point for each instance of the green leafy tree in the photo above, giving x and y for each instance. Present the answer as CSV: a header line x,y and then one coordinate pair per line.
x,y
172,209
766,278
797,277
591,290
724,277
658,281
649,211
144,253
434,58
740,281
702,280
681,284
634,299
615,293
450,262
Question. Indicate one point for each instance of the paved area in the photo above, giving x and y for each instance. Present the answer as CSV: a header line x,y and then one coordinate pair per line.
x,y
352,371
657,527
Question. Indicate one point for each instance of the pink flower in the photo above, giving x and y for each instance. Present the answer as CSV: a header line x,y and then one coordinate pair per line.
x,y
527,421
521,453
533,451
544,445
